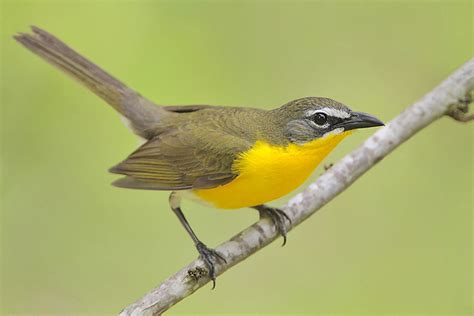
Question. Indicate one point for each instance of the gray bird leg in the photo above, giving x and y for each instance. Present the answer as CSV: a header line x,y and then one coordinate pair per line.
x,y
208,255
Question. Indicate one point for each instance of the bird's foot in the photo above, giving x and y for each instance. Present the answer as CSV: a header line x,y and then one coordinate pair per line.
x,y
278,218
210,257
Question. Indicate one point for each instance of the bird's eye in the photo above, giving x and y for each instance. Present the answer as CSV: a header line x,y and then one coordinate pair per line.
x,y
320,118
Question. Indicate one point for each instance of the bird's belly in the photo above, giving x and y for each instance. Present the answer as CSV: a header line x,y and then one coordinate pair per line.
x,y
268,172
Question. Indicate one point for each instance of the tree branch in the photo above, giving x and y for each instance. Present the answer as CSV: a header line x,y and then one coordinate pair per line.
x,y
447,98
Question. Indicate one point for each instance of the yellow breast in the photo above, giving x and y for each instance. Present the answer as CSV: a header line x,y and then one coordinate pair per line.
x,y
268,172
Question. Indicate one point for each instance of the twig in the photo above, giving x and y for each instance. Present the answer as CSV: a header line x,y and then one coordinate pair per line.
x,y
460,110
444,99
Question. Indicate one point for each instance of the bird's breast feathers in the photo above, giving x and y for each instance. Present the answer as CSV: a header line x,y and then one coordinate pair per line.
x,y
267,172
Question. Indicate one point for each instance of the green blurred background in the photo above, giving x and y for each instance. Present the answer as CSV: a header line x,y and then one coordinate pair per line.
x,y
399,241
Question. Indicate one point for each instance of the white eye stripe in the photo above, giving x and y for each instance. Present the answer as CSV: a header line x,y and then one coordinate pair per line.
x,y
331,112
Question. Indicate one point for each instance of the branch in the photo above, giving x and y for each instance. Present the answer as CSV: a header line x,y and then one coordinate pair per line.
x,y
447,98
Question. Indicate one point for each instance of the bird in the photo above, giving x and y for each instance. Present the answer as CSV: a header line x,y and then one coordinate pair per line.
x,y
227,157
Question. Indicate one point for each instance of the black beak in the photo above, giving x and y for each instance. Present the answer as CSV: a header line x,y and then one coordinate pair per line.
x,y
360,120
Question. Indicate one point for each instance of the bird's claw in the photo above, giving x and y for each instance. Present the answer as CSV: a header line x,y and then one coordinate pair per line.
x,y
278,218
210,257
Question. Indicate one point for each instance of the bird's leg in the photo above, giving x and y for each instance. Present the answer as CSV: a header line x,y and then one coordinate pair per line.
x,y
277,216
208,255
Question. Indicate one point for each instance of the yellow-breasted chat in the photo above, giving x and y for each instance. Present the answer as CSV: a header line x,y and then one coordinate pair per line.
x,y
228,157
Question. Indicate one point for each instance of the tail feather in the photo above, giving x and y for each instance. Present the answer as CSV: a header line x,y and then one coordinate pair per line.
x,y
140,112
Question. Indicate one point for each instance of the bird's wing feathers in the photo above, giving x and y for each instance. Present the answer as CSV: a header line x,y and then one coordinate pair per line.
x,y
180,159
187,108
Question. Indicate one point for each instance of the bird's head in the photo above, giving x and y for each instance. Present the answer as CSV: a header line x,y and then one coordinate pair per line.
x,y
310,118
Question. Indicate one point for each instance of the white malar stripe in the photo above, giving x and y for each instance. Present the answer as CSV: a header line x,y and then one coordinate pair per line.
x,y
334,131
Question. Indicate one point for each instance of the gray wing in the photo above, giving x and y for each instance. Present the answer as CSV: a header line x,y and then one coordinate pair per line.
x,y
182,159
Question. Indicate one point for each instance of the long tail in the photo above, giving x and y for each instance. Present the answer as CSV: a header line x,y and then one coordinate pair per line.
x,y
140,112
